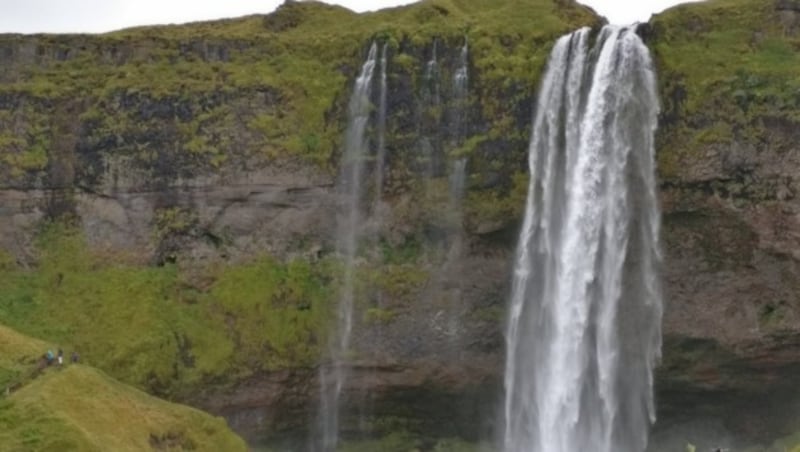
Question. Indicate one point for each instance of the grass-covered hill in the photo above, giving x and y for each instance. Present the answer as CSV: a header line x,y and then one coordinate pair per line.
x,y
80,408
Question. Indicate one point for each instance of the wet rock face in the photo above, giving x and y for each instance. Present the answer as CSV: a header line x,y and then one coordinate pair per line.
x,y
252,211
731,229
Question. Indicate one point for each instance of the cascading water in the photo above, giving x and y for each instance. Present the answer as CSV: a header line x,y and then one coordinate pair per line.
x,y
459,126
431,77
380,157
430,100
460,85
458,172
350,185
583,332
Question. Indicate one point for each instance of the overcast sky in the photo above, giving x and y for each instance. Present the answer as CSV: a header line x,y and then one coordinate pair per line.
x,y
95,16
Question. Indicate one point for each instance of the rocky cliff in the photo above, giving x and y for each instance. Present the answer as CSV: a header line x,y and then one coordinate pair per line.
x,y
182,179
727,164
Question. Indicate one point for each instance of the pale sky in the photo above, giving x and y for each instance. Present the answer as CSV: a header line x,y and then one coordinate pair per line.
x,y
96,16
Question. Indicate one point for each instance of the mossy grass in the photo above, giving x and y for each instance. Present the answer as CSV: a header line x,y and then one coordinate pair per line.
x,y
18,358
154,327
80,408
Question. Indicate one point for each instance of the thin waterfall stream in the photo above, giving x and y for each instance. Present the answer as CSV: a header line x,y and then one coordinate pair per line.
x,y
459,125
380,157
349,224
583,331
430,100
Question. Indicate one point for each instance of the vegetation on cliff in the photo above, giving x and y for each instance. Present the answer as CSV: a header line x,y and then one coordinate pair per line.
x,y
178,101
166,329
728,74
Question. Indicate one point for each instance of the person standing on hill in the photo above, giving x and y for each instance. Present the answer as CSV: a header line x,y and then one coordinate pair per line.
x,y
60,357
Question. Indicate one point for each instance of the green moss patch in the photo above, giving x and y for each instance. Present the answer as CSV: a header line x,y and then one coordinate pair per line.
x,y
727,68
80,408
166,329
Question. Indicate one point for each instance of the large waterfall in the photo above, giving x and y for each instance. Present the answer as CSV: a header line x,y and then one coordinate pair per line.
x,y
583,331
349,223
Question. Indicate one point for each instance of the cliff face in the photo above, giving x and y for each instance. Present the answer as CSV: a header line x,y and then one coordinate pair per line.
x,y
204,157
728,163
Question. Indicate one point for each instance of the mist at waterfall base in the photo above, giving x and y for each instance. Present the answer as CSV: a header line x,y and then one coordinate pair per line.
x,y
583,331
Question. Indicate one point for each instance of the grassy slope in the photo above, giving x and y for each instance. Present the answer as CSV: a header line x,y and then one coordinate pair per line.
x,y
724,66
80,408
18,356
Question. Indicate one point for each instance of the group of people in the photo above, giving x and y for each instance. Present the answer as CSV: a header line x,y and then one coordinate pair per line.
x,y
51,358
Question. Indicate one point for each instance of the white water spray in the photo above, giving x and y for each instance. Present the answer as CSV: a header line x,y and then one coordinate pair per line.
x,y
583,331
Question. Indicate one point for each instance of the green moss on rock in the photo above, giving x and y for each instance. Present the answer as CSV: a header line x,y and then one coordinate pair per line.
x,y
726,68
164,328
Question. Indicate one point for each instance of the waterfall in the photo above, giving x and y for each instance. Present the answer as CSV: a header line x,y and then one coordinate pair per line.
x,y
459,126
460,85
380,157
350,186
427,125
583,331
431,76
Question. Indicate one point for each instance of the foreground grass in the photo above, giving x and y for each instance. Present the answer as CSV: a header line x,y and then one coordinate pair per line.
x,y
79,408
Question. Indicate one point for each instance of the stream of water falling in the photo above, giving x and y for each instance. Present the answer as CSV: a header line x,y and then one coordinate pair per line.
x,y
459,126
380,156
350,186
460,85
431,76
583,331
430,99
